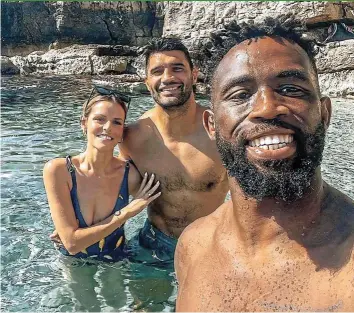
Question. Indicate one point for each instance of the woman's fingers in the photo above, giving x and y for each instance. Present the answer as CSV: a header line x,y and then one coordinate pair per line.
x,y
142,185
152,198
148,185
153,189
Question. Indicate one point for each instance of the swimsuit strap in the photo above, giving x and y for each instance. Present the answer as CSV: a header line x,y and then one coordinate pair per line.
x,y
71,168
126,175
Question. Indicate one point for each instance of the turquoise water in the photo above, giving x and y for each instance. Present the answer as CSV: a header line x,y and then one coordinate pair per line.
x,y
40,121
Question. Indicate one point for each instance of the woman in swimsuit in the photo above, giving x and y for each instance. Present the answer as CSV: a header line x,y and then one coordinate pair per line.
x,y
88,194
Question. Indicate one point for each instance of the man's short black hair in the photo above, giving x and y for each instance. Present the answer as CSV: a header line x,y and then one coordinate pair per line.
x,y
284,26
166,44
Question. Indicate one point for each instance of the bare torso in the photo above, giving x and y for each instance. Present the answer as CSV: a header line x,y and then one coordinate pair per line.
x,y
217,273
193,180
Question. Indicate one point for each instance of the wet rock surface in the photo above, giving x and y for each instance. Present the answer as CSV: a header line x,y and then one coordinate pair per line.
x,y
106,38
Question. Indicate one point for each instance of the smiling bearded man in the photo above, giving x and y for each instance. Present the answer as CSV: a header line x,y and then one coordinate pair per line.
x,y
284,179
284,242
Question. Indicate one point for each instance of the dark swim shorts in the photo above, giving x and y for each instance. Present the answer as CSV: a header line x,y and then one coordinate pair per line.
x,y
152,247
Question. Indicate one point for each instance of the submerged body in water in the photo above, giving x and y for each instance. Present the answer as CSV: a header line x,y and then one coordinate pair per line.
x,y
34,275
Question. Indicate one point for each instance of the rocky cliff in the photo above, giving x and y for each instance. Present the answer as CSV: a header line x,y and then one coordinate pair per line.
x,y
94,38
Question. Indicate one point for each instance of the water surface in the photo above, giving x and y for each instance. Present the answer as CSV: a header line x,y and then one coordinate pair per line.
x,y
40,121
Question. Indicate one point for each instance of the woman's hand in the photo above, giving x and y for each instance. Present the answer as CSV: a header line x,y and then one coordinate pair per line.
x,y
144,196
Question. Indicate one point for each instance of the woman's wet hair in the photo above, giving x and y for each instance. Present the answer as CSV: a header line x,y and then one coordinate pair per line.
x,y
88,105
285,26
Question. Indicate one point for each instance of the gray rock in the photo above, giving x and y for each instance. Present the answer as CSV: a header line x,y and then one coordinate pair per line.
x,y
109,64
336,57
337,84
29,25
7,67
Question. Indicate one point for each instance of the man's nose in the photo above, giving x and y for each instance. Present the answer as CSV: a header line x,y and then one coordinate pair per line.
x,y
167,75
267,105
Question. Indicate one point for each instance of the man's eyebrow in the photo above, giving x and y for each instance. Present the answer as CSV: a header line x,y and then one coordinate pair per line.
x,y
173,64
294,74
234,81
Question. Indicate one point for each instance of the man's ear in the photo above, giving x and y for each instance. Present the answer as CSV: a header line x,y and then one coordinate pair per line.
x,y
326,110
147,84
195,73
209,123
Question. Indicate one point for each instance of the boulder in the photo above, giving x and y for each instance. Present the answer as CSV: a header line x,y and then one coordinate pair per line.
x,y
337,84
109,64
7,67
336,56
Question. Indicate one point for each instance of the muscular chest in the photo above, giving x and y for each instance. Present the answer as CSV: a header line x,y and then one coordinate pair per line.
x,y
293,286
181,166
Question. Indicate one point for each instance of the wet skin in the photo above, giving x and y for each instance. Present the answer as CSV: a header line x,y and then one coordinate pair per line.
x,y
268,255
170,141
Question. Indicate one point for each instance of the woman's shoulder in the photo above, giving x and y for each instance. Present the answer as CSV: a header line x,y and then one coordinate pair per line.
x,y
55,166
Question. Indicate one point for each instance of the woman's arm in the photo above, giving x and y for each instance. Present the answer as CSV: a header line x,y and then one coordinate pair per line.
x,y
57,183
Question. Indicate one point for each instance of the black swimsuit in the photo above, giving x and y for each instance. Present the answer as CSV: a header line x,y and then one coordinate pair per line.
x,y
111,248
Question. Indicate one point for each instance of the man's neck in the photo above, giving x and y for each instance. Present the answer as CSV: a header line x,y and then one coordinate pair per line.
x,y
178,122
260,223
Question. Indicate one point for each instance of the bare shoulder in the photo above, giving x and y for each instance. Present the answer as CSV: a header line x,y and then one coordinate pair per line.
x,y
198,237
139,129
55,172
196,241
55,166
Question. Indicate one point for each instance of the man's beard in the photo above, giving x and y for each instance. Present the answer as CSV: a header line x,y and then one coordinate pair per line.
x,y
173,103
286,179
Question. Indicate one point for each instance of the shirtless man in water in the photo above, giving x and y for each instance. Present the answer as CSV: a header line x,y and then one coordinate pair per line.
x,y
170,141
284,242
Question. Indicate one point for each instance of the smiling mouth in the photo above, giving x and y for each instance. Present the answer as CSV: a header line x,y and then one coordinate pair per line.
x,y
272,142
105,137
171,89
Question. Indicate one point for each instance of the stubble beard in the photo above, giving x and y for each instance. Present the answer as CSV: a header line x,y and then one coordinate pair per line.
x,y
287,180
179,103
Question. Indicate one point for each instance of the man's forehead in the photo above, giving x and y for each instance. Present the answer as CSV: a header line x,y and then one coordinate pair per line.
x,y
173,56
263,52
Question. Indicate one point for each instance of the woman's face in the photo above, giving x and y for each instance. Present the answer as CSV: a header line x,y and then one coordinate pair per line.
x,y
104,125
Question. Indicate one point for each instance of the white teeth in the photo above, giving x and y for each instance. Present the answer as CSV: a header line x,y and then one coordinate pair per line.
x,y
105,137
277,141
170,89
268,140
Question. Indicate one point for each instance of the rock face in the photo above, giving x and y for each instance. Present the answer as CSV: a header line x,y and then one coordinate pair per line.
x,y
94,38
7,67
31,26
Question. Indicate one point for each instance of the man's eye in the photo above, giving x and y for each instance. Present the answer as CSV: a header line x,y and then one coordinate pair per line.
x,y
156,72
178,69
292,91
241,95
117,122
